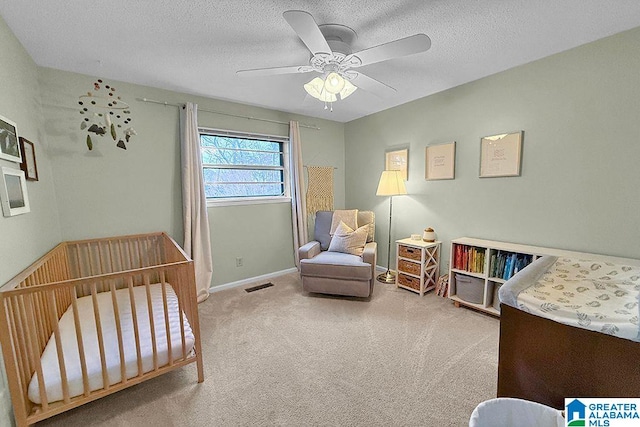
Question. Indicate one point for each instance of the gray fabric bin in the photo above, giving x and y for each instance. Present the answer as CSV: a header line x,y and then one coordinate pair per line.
x,y
470,289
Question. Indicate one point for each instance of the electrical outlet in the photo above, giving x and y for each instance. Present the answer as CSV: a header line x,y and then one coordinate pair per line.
x,y
239,262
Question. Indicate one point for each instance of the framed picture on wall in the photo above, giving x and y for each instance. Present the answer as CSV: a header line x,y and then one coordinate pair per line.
x,y
398,160
440,161
501,155
28,164
13,192
9,149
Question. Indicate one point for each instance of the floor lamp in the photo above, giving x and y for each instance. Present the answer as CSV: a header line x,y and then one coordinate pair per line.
x,y
391,184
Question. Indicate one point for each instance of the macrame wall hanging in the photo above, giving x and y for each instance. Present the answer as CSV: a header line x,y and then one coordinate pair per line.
x,y
320,189
105,113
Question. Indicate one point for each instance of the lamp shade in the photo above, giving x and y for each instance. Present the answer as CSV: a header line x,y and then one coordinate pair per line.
x,y
334,83
391,184
347,90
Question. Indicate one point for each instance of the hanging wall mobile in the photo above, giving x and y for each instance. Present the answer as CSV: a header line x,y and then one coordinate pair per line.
x,y
105,113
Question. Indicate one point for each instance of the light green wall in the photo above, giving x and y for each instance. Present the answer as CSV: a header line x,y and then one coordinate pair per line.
x,y
113,191
24,238
580,112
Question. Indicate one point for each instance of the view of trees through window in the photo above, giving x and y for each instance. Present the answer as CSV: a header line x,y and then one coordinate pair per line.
x,y
241,167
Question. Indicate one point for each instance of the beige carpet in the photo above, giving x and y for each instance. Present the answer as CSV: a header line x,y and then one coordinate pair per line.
x,y
280,357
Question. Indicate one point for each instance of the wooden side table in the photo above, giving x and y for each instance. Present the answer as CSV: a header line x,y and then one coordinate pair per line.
x,y
417,264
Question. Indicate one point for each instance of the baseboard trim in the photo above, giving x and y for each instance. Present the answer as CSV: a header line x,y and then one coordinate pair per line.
x,y
243,282
382,269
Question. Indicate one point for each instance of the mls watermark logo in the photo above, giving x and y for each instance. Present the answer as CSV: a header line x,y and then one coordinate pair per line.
x,y
602,412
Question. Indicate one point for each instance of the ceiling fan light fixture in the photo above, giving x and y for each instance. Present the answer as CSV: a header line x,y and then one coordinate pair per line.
x,y
347,90
316,88
334,83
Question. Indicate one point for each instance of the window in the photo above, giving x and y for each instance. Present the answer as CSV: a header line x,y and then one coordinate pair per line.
x,y
240,166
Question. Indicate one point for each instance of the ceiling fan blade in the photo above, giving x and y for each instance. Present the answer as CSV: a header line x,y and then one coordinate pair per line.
x,y
274,71
395,49
307,29
364,82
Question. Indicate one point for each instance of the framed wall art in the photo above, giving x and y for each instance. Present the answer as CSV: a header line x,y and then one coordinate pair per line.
x,y
398,160
440,161
13,192
28,164
501,155
9,149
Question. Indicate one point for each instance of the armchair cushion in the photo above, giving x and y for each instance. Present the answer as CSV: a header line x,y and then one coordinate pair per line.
x,y
349,217
336,265
367,218
322,228
347,240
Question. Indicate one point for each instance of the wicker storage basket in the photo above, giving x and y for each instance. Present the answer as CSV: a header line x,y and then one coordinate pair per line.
x,y
409,252
408,281
409,267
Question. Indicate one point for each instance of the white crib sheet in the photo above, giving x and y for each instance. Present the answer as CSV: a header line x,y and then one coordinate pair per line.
x,y
50,365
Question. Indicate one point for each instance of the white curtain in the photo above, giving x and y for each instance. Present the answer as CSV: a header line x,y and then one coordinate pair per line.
x,y
197,241
298,204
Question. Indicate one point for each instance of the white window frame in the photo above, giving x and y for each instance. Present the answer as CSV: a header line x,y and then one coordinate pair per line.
x,y
234,201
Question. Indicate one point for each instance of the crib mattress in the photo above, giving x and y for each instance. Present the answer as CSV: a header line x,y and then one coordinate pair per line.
x,y
50,365
590,294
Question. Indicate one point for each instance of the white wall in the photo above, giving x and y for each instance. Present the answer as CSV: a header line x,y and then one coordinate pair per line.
x,y
579,185
24,238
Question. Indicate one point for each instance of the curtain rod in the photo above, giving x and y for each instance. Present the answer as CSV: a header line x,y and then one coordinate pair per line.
x,y
302,125
306,166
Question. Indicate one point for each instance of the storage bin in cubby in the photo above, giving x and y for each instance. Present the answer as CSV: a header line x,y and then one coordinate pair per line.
x,y
470,289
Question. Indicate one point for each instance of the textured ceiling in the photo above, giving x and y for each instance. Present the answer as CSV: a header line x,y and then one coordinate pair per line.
x,y
196,46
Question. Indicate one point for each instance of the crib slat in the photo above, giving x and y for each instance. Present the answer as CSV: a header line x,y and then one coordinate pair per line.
x,y
145,279
103,359
83,360
166,316
12,312
180,293
58,340
15,379
22,339
121,256
136,332
150,251
130,254
140,255
42,319
116,313
100,259
31,350
90,260
110,256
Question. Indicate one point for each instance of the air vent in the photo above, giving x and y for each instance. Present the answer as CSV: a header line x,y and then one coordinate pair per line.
x,y
257,288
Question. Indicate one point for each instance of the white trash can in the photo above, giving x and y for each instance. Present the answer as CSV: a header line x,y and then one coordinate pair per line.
x,y
510,412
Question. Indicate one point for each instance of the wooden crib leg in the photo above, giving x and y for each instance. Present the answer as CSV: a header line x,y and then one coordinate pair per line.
x,y
200,367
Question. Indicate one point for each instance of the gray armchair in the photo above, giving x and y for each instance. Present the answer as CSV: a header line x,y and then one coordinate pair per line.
x,y
338,273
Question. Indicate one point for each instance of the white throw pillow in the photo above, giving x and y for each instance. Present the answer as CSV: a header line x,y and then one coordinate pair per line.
x,y
349,217
348,241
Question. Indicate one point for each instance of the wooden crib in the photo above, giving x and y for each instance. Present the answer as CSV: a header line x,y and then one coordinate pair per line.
x,y
130,304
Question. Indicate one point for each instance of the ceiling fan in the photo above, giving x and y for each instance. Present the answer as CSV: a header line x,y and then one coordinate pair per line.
x,y
331,56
